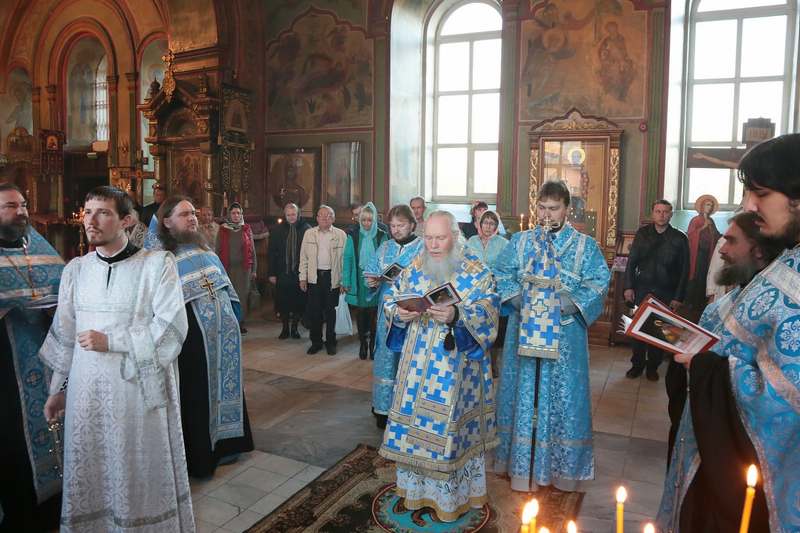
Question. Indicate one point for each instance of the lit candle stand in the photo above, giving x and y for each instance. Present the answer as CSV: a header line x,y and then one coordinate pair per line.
x,y
76,219
750,493
572,527
622,495
529,513
521,221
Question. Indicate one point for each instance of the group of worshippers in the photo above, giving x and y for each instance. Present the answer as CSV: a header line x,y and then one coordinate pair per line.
x,y
122,370
434,390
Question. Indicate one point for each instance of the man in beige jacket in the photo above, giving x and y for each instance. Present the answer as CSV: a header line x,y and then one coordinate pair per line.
x,y
321,277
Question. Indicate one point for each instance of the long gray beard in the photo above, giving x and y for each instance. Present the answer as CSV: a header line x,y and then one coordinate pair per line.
x,y
440,271
191,237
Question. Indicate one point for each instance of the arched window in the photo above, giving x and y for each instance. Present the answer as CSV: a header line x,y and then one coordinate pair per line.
x,y
739,67
87,94
464,128
101,99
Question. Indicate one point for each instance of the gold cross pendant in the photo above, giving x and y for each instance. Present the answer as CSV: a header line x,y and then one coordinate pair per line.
x,y
208,285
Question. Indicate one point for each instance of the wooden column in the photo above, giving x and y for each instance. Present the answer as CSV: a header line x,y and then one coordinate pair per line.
x,y
133,82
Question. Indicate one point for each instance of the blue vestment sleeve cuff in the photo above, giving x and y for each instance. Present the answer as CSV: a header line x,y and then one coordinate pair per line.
x,y
466,343
396,338
237,310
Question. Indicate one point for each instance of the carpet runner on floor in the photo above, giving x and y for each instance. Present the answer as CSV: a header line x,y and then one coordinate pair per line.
x,y
356,496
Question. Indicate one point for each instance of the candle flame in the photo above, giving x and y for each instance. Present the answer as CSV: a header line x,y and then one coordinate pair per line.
x,y
544,530
571,527
649,528
752,476
280,220
622,495
530,511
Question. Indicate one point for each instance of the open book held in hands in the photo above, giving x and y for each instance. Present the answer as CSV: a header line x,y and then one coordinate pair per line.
x,y
390,273
442,295
657,325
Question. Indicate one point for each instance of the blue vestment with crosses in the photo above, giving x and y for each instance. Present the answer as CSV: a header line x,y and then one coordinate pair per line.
x,y
210,293
443,411
561,279
202,275
24,294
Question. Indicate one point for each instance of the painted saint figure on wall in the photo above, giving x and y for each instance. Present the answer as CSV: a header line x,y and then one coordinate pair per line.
x,y
703,236
616,70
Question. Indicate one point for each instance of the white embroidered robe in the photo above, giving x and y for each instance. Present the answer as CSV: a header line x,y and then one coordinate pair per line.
x,y
124,461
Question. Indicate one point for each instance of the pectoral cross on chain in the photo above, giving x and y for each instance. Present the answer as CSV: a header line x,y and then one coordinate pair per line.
x,y
208,285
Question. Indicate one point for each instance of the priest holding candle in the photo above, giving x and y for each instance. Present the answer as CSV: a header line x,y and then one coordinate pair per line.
x,y
744,397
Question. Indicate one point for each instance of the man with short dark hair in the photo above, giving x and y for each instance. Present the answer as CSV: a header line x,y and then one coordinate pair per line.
x,y
553,282
213,410
30,270
117,331
744,395
658,264
149,211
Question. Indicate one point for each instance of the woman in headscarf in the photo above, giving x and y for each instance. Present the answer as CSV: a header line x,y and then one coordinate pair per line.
x,y
284,259
358,253
487,243
236,250
401,250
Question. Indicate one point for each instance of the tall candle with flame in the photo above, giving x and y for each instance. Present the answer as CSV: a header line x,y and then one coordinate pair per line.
x,y
622,495
529,513
750,493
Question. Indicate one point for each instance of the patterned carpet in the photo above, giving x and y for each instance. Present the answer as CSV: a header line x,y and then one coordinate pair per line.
x,y
356,496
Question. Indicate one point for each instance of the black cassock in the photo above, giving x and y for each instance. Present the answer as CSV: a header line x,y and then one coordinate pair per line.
x,y
17,493
714,500
193,372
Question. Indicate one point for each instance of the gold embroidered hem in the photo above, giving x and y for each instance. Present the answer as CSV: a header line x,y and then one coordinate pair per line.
x,y
445,516
438,469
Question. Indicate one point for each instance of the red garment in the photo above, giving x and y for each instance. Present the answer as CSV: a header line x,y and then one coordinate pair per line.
x,y
247,246
707,237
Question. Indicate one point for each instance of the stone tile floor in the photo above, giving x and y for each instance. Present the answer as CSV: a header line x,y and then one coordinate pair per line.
x,y
307,412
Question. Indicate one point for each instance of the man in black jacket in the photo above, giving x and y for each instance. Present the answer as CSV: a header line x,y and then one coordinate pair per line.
x,y
659,265
284,258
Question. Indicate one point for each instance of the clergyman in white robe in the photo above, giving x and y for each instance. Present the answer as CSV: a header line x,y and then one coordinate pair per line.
x,y
124,461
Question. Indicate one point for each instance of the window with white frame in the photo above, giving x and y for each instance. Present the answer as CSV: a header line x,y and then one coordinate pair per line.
x,y
466,103
740,67
101,99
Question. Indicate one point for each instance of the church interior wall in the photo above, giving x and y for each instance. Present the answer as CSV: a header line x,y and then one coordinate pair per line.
x,y
325,83
289,54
